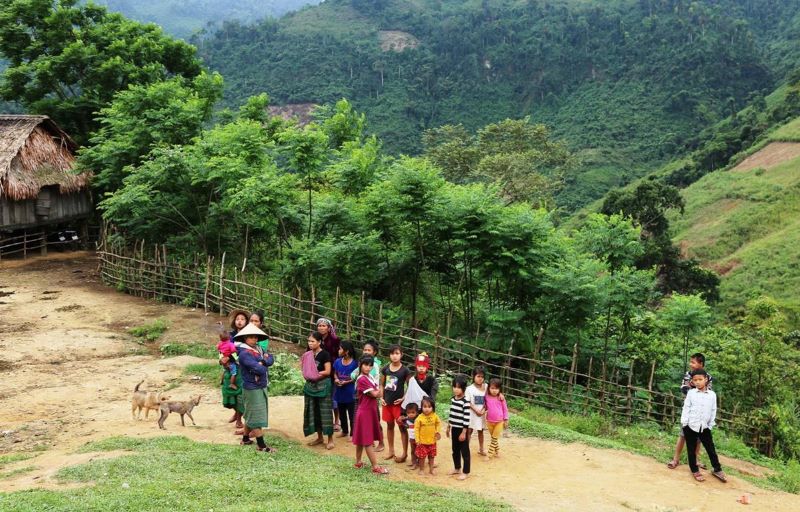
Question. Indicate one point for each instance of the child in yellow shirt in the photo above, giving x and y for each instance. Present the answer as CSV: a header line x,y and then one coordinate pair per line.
x,y
426,428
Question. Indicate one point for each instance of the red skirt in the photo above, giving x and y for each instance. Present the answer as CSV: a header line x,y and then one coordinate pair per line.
x,y
367,426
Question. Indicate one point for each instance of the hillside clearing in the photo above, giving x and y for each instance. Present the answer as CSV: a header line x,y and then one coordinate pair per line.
x,y
89,367
774,154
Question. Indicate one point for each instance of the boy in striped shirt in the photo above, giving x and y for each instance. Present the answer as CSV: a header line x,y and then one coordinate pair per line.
x,y
457,426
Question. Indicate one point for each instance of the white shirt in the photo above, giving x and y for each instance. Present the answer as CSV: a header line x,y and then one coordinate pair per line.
x,y
699,410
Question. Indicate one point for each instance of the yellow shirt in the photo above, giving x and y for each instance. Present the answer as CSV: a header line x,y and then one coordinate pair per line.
x,y
426,426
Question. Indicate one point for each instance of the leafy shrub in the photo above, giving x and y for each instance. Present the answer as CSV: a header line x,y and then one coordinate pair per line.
x,y
285,377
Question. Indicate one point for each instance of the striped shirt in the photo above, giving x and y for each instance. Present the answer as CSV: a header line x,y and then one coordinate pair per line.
x,y
459,412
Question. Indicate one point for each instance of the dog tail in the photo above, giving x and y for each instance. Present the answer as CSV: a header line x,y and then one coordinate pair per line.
x,y
136,388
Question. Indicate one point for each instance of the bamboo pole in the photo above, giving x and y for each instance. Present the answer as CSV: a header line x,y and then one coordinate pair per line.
x,y
348,323
650,390
630,395
588,385
363,312
221,286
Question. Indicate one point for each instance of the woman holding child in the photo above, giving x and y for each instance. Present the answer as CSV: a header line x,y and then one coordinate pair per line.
x,y
255,377
317,392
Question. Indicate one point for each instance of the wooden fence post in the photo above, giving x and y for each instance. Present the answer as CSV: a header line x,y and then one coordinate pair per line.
x,y
630,392
363,313
588,385
380,322
650,390
347,320
221,286
208,283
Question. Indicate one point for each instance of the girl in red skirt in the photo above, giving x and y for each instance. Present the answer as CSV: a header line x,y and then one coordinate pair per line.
x,y
367,428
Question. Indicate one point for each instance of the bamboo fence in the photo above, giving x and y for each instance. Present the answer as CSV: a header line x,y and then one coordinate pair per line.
x,y
583,387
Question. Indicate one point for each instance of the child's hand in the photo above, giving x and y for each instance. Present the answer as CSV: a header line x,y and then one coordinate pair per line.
x,y
505,424
439,436
480,413
383,402
233,387
398,401
463,436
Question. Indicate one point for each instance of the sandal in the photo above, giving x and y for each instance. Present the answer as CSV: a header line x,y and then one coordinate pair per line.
x,y
673,464
267,449
699,477
315,442
245,443
380,470
701,465
721,476
358,465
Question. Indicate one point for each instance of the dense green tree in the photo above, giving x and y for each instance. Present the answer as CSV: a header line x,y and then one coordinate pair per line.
x,y
67,60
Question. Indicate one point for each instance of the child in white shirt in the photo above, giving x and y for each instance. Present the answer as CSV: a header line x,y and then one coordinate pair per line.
x,y
697,420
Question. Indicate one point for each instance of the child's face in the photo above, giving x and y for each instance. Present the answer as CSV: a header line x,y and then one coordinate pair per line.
x,y
422,370
323,328
396,356
457,392
369,350
313,344
478,379
694,364
427,408
342,352
366,368
699,381
494,390
224,360
255,320
240,321
411,413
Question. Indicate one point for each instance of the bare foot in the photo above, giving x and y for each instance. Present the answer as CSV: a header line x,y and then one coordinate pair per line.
x,y
380,448
454,472
420,472
388,457
401,460
412,464
315,442
329,446
481,452
432,473
462,476
341,434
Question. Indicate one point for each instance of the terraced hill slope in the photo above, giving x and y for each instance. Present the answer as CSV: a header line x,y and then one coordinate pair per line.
x,y
745,223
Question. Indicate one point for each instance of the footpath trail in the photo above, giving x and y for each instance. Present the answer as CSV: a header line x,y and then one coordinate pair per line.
x,y
61,329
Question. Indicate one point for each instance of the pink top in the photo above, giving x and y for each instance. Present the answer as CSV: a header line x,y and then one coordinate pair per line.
x,y
496,409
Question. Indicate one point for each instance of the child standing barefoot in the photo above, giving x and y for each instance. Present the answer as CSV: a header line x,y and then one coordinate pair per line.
x,y
477,416
408,419
457,428
496,416
426,429
367,428
393,382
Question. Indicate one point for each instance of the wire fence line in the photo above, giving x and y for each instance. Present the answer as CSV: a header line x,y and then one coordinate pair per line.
x,y
537,379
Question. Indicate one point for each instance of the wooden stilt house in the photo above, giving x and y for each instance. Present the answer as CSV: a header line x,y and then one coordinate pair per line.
x,y
38,188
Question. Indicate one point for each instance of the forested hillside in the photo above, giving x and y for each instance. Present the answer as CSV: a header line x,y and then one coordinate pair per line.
x,y
628,83
182,18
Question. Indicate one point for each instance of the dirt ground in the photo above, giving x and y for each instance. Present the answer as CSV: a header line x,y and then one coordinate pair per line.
x,y
61,328
771,156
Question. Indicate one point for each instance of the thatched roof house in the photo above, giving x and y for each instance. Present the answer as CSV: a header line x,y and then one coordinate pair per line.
x,y
37,184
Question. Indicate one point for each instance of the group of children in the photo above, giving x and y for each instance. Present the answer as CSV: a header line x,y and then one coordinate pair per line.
x,y
364,392
406,400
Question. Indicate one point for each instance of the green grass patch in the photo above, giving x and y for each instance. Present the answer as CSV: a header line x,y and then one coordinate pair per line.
x,y
150,332
10,458
208,372
16,472
790,132
174,473
188,349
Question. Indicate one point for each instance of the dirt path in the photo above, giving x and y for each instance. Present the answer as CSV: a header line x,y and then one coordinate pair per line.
x,y
59,326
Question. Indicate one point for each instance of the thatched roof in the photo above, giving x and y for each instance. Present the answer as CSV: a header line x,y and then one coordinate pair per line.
x,y
34,153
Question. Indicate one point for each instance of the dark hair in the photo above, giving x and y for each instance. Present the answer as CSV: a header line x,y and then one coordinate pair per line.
x,y
373,344
460,382
395,348
429,400
495,382
478,370
348,349
412,407
259,313
700,358
317,336
365,360
699,372
242,312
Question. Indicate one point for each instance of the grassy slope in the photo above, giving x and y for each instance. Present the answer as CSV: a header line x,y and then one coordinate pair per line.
x,y
174,473
746,225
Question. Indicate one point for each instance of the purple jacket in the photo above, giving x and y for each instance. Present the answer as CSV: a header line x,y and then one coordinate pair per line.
x,y
254,366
